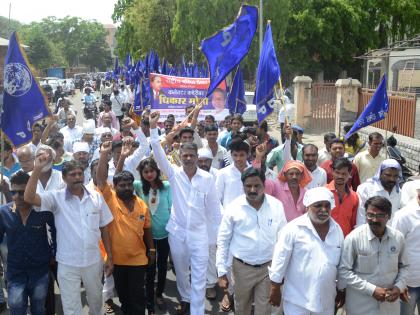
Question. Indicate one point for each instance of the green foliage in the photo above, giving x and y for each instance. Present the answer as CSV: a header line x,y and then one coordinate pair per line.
x,y
67,42
310,36
7,28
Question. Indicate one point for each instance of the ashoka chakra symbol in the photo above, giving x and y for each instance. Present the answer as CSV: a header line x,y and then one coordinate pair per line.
x,y
17,79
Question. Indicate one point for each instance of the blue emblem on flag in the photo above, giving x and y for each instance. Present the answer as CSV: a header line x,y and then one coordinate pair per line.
x,y
227,48
24,101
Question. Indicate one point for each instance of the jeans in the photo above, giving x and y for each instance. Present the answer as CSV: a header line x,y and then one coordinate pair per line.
x,y
162,252
409,308
34,288
3,255
129,283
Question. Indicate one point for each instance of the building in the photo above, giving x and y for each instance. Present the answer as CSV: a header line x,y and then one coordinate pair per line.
x,y
400,61
110,37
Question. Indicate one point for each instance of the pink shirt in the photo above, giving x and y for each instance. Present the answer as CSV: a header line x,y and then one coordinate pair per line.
x,y
291,210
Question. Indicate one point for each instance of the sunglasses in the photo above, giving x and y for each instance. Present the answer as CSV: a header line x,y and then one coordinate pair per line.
x,y
20,192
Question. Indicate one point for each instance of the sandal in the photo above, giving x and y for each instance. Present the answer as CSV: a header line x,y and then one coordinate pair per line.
x,y
160,302
109,307
227,303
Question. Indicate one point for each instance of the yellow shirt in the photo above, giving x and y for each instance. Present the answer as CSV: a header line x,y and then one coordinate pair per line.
x,y
127,230
367,165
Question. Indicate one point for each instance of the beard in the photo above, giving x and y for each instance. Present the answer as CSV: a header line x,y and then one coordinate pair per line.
x,y
125,194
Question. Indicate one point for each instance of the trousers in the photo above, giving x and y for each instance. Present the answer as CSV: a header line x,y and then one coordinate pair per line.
x,y
293,309
69,279
194,255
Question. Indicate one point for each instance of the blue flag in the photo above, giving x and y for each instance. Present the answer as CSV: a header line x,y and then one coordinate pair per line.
x,y
375,109
268,75
24,101
225,50
128,61
236,99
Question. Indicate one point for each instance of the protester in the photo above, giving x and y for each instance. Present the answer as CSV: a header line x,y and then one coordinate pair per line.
x,y
106,124
158,196
36,136
71,132
346,200
337,151
195,217
117,100
107,104
409,189
324,154
131,236
81,156
219,153
29,250
26,158
264,137
306,258
407,221
248,232
10,163
310,157
235,126
385,183
374,263
368,161
81,218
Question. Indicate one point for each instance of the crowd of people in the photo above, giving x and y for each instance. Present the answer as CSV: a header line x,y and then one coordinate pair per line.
x,y
279,226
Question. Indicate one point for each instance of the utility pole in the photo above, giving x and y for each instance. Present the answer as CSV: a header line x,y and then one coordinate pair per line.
x,y
261,24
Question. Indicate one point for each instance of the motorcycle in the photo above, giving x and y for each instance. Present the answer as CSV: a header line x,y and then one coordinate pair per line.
x,y
395,154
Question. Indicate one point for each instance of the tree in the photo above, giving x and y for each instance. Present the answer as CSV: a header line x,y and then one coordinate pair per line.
x,y
7,28
78,41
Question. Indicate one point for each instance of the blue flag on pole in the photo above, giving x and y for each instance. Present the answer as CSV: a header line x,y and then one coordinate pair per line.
x,y
225,50
24,101
374,111
128,61
268,75
236,99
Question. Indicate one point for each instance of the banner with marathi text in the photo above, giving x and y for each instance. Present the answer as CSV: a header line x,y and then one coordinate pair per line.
x,y
171,95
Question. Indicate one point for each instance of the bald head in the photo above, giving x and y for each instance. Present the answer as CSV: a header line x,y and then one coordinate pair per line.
x,y
26,158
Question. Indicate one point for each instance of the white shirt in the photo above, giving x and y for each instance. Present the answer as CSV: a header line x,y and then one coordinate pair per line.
x,y
319,178
132,161
77,222
407,221
367,262
247,233
71,135
228,184
409,192
371,189
308,265
323,155
195,213
290,111
117,102
219,157
55,182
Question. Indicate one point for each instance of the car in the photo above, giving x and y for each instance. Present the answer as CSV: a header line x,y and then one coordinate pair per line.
x,y
250,115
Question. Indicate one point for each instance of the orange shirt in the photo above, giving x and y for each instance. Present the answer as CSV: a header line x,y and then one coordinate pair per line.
x,y
126,230
345,212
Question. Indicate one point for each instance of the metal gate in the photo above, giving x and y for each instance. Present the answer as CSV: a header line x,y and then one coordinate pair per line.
x,y
323,105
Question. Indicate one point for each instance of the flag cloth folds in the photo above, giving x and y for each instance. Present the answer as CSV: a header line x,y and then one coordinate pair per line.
x,y
236,99
268,74
374,111
225,50
24,101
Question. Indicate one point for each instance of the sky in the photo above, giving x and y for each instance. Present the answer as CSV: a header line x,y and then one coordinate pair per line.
x,y
26,11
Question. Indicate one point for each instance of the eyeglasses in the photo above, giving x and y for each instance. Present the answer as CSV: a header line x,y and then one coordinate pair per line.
x,y
20,192
377,215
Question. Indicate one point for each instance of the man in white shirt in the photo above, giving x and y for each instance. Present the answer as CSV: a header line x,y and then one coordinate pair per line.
x,y
71,132
385,183
368,161
248,232
36,136
407,221
409,189
228,178
194,220
81,218
81,155
219,153
106,120
306,258
374,263
324,154
310,157
204,161
26,158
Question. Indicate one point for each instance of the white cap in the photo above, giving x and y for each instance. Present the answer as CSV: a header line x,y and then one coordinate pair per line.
x,y
205,153
89,126
80,147
318,194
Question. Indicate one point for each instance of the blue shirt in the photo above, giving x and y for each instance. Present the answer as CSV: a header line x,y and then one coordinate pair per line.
x,y
10,171
226,140
29,247
163,211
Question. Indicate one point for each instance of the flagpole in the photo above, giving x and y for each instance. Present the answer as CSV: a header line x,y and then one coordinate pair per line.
x,y
386,135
